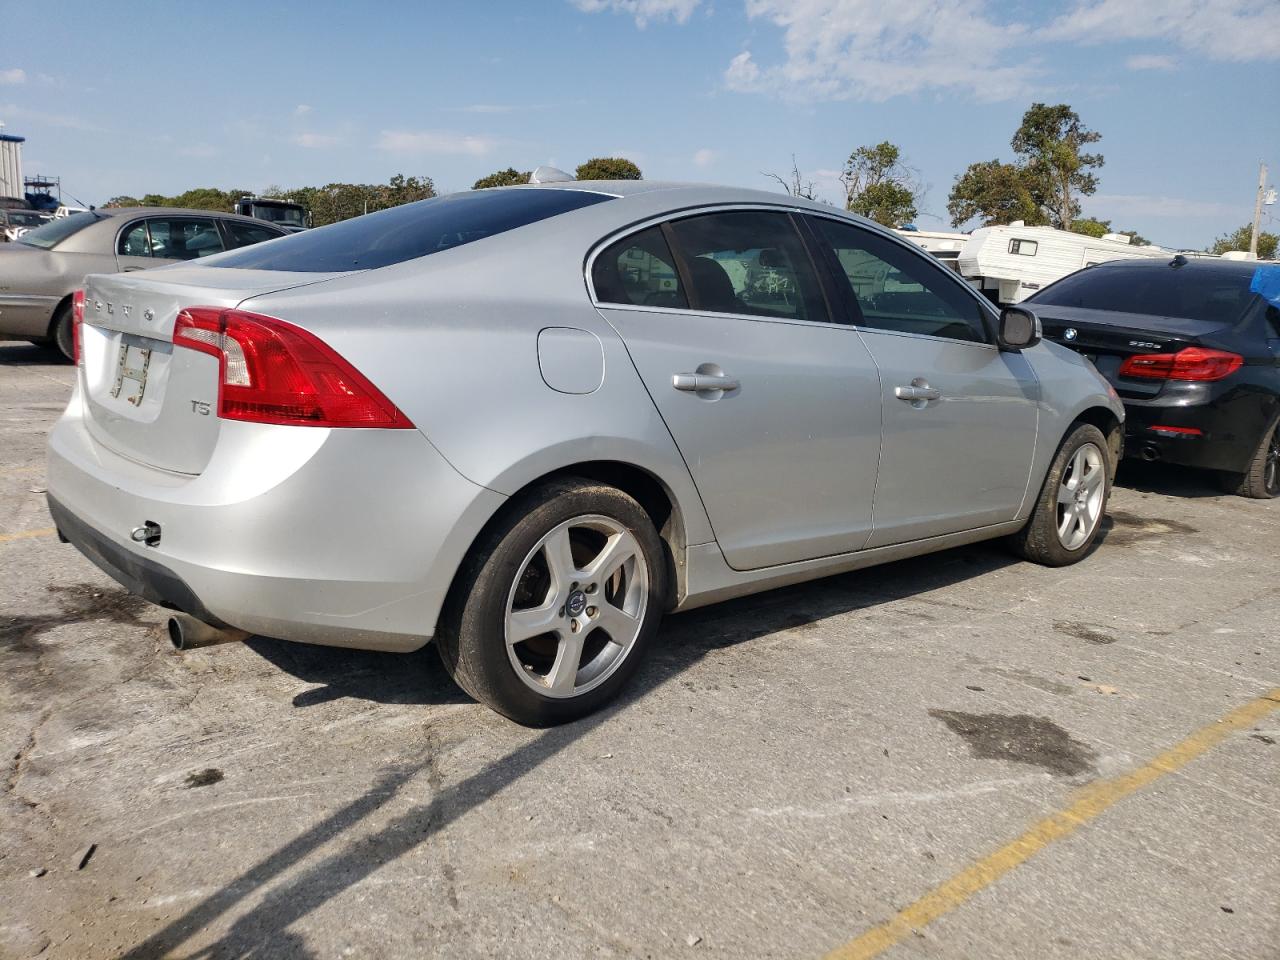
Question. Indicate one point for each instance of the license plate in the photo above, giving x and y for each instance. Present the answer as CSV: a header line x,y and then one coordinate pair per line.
x,y
131,373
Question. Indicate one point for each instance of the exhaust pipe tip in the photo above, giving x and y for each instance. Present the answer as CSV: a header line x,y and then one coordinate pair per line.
x,y
1150,452
188,633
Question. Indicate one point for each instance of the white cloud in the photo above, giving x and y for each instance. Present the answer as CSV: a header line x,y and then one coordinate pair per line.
x,y
434,141
704,157
14,76
1237,30
1120,206
302,109
643,11
10,111
1151,61
314,141
870,50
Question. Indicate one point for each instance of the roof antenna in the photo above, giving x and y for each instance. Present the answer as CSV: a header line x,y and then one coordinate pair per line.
x,y
1178,261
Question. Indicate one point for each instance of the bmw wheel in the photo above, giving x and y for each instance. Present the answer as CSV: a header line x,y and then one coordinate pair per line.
x,y
1072,503
557,604
1262,480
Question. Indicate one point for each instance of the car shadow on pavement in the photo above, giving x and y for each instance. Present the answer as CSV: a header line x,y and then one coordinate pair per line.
x,y
1168,480
264,928
20,353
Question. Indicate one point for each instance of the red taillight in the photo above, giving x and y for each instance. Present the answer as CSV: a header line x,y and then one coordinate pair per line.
x,y
1190,363
77,318
273,372
1177,431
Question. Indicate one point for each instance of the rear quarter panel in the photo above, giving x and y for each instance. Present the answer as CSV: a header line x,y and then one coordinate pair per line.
x,y
452,339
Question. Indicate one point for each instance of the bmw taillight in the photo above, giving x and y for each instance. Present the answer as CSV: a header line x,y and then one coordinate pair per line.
x,y
77,320
273,372
1190,363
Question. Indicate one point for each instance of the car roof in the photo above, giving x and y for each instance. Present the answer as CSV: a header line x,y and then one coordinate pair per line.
x,y
690,193
171,211
1198,265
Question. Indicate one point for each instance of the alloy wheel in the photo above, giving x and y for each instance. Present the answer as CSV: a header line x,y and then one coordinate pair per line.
x,y
577,606
1271,469
1080,496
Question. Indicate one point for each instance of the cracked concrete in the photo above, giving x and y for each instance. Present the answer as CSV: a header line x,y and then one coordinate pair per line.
x,y
773,785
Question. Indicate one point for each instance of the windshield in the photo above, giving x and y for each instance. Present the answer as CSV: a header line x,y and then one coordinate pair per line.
x,y
54,232
289,216
1196,294
407,232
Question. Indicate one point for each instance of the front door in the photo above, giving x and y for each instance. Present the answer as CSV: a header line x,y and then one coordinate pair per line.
x,y
960,416
775,409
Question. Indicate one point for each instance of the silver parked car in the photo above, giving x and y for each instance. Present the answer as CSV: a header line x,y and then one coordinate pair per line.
x,y
47,264
528,421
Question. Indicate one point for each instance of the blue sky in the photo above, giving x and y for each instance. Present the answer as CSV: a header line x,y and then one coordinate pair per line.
x,y
161,97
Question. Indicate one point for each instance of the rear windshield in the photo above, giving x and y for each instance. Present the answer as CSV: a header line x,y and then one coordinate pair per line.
x,y
55,231
405,233
1169,292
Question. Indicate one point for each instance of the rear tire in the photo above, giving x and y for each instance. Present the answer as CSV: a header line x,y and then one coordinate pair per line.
x,y
60,332
557,603
1072,503
1261,481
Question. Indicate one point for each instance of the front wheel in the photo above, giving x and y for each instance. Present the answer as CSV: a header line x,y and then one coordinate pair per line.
x,y
1262,480
1072,503
557,604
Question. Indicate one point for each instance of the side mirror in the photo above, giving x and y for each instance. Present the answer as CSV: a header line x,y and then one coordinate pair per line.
x,y
1019,329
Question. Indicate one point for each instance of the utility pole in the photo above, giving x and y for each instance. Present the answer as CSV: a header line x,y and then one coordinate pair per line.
x,y
1257,211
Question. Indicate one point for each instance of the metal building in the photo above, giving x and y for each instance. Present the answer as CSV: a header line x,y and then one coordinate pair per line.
x,y
11,165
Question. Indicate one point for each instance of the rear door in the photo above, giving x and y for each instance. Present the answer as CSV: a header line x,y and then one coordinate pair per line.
x,y
960,416
774,407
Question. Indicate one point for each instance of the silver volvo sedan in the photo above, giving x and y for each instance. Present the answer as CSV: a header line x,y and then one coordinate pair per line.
x,y
526,422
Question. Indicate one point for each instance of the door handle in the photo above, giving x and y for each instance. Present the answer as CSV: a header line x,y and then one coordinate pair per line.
x,y
698,382
918,393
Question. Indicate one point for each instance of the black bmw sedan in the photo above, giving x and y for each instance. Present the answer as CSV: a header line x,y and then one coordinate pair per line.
x,y
1194,353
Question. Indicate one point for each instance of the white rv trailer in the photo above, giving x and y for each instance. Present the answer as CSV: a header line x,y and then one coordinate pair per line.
x,y
942,244
1010,263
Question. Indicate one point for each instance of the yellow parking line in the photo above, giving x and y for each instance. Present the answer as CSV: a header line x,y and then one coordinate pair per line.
x,y
26,534
1089,802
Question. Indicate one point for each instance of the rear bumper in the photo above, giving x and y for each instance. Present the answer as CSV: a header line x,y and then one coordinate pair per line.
x,y
1226,439
340,537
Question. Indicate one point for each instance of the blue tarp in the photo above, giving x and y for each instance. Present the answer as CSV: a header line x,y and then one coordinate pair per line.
x,y
1266,284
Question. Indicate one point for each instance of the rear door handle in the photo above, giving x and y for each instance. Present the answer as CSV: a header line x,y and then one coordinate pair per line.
x,y
697,382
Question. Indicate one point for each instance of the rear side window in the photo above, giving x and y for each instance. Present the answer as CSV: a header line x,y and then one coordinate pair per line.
x,y
638,270
1215,295
247,234
750,262
410,231
897,289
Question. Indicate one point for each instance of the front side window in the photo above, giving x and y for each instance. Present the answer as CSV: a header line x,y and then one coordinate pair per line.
x,y
750,262
897,289
638,270
1023,248
171,238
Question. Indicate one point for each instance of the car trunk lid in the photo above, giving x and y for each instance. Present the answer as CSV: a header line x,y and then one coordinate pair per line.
x,y
144,399
1108,338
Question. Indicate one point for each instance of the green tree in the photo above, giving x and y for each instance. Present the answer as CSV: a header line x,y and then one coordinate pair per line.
x,y
1135,238
608,168
879,185
205,198
1239,240
1049,144
995,193
509,177
1091,227
124,200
